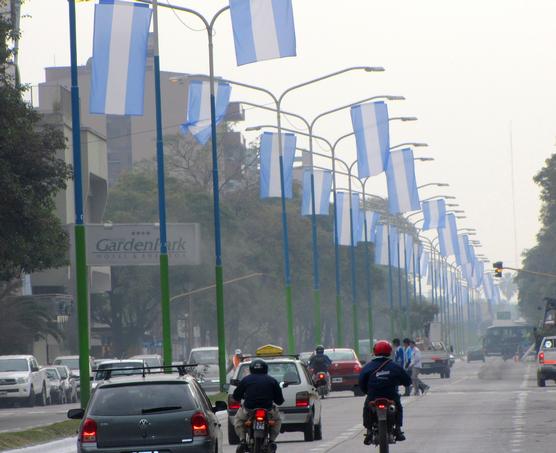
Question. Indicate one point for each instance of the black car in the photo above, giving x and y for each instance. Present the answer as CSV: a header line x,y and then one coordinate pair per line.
x,y
476,354
150,413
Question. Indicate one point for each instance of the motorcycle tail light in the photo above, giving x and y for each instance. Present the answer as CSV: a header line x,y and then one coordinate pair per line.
x,y
541,357
260,415
302,399
321,376
89,431
232,404
381,406
199,424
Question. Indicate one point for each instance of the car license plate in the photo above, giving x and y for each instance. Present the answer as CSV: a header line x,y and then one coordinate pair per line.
x,y
337,379
259,426
427,365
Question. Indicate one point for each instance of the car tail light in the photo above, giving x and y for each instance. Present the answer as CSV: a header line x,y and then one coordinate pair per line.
x,y
541,357
302,399
199,424
260,415
233,404
89,431
356,368
436,358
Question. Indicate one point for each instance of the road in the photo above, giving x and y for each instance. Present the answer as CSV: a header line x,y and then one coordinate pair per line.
x,y
492,408
19,418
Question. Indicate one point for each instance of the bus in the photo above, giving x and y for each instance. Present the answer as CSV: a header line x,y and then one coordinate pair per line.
x,y
508,339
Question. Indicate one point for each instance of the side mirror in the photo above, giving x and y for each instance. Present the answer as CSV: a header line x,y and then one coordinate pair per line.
x,y
234,382
34,369
76,414
284,384
219,406
362,362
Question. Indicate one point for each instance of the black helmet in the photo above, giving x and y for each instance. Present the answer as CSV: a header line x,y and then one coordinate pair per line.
x,y
319,349
258,366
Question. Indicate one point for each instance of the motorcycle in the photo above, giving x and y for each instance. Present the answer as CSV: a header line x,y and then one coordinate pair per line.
x,y
258,431
321,380
382,417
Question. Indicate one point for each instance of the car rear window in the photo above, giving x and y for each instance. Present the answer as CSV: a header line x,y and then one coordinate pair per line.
x,y
549,343
281,371
141,398
340,355
122,369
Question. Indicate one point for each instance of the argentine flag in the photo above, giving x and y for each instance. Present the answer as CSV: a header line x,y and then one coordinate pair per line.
x,y
263,30
402,185
434,212
270,164
119,58
372,137
342,214
372,219
448,237
322,181
198,108
384,231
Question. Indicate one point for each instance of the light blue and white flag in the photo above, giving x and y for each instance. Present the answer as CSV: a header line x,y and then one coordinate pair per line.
x,y
466,254
402,185
322,182
270,164
263,29
372,136
119,59
372,219
342,214
424,263
406,251
448,237
381,245
198,108
478,273
488,286
434,212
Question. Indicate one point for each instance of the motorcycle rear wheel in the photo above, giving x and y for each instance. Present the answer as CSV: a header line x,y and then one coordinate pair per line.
x,y
258,445
383,440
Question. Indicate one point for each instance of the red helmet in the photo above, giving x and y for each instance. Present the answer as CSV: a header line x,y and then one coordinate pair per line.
x,y
383,348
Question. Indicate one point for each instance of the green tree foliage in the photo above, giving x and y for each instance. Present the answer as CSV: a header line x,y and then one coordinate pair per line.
x,y
30,175
533,289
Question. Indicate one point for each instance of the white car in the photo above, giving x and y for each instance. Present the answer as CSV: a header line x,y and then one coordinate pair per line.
x,y
301,410
23,381
72,362
207,371
121,367
54,380
151,360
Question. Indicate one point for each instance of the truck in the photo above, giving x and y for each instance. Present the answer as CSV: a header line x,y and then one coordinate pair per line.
x,y
435,358
22,380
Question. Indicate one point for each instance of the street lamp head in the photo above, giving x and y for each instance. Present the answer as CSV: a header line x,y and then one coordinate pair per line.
x,y
442,184
408,118
449,197
452,205
424,159
394,98
461,217
253,128
374,69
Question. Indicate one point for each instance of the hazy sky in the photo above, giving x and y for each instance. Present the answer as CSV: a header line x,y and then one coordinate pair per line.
x,y
468,70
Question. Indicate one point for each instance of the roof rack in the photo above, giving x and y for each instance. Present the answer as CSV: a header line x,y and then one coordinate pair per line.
x,y
182,370
273,356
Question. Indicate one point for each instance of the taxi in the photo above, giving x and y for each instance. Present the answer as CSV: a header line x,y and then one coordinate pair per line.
x,y
301,410
546,361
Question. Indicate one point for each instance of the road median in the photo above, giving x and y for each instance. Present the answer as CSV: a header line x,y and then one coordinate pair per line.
x,y
40,435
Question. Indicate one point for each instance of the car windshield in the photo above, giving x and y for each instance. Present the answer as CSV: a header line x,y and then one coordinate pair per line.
x,y
72,364
281,371
52,374
204,357
123,369
339,355
141,398
63,372
14,365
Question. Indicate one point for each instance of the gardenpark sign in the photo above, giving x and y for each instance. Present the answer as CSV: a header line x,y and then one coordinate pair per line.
x,y
139,244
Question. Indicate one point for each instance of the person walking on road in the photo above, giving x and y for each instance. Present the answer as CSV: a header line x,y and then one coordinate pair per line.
x,y
407,361
399,358
415,367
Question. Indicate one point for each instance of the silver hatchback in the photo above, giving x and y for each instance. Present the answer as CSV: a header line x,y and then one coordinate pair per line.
x,y
155,413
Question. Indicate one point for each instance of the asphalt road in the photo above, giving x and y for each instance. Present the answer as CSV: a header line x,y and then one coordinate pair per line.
x,y
19,418
490,408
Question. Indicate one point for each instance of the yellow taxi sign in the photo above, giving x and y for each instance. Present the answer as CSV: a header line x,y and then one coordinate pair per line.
x,y
269,350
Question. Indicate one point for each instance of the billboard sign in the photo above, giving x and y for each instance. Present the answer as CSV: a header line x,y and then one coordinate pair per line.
x,y
139,244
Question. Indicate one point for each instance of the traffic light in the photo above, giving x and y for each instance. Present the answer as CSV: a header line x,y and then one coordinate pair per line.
x,y
498,268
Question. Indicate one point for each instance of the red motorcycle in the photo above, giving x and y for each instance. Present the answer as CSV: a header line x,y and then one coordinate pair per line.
x,y
382,418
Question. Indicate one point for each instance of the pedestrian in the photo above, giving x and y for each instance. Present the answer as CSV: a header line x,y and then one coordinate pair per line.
x,y
399,356
407,362
415,367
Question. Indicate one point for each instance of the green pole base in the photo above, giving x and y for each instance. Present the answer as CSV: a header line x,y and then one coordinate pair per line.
x,y
219,277
289,311
165,304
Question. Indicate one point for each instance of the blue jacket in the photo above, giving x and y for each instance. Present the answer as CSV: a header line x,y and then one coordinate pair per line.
x,y
259,391
384,382
399,356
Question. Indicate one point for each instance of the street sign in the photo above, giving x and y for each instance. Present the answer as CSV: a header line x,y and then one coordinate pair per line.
x,y
139,244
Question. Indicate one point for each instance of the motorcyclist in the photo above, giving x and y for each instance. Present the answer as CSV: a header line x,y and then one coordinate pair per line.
x,y
258,390
380,378
319,361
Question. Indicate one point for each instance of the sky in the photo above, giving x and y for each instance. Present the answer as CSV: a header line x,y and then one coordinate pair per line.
x,y
479,75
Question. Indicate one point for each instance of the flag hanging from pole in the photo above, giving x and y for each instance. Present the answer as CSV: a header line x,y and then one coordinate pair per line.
x,y
434,212
384,231
465,250
198,108
270,164
406,250
372,137
372,219
342,214
402,185
448,237
424,263
263,30
119,60
322,182
488,286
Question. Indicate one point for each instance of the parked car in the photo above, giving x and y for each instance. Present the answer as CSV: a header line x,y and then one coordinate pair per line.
x,y
124,368
68,382
21,380
207,371
156,413
546,361
72,362
345,370
476,353
305,357
435,358
54,380
301,410
151,360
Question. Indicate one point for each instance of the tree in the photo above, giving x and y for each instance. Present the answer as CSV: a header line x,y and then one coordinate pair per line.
x,y
30,176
